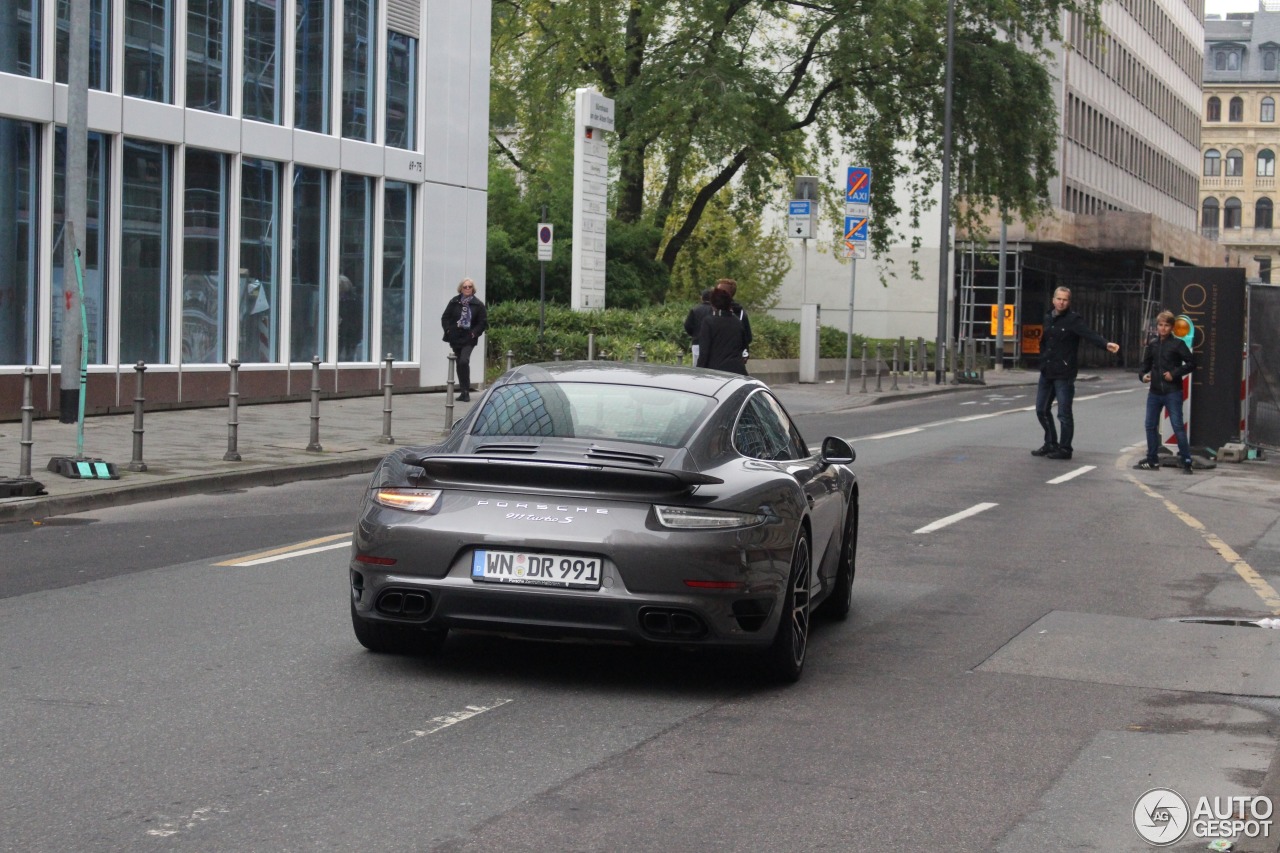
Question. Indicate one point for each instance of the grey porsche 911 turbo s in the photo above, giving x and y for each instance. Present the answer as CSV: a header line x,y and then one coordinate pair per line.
x,y
628,502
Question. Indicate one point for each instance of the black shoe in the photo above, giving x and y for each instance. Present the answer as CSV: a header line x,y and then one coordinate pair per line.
x,y
1059,453
1187,469
1044,450
1148,465
464,398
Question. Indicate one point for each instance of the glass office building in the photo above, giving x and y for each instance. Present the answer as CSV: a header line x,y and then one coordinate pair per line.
x,y
266,182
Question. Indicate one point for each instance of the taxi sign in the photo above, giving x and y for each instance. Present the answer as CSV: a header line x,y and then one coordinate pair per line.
x,y
858,185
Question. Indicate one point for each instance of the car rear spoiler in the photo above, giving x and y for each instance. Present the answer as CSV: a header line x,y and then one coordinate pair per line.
x,y
558,476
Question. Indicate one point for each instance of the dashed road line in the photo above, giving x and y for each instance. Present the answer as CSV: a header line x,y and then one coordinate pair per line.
x,y
444,721
1071,475
298,549
959,516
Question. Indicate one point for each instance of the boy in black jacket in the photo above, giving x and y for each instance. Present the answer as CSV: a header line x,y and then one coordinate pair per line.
x,y
1166,361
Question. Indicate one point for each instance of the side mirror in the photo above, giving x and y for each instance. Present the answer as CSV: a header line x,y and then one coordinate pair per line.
x,y
836,451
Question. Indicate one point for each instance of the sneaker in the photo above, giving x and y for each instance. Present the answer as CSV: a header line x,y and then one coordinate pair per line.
x,y
1187,469
1148,465
1059,453
1044,450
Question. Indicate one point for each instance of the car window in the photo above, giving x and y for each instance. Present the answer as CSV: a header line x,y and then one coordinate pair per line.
x,y
660,416
765,432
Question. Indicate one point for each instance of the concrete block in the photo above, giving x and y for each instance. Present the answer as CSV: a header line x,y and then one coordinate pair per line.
x,y
1232,452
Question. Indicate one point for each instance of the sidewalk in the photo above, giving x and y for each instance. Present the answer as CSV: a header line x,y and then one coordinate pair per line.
x,y
184,449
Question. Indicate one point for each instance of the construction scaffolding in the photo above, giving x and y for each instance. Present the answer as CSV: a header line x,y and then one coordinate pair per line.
x,y
979,270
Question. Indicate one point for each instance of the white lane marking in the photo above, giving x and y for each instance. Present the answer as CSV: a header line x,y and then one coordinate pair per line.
x,y
893,434
978,417
1071,475
443,721
302,553
287,550
952,519
172,826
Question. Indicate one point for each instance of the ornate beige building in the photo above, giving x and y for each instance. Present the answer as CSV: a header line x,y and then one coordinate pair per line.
x,y
1240,139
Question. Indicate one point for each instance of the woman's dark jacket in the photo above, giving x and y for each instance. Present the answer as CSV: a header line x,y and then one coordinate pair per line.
x,y
1060,344
458,337
1167,354
720,343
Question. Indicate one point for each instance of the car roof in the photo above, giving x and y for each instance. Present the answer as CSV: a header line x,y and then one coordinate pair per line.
x,y
711,383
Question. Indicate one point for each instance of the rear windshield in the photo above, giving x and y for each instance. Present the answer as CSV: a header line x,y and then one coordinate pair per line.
x,y
658,416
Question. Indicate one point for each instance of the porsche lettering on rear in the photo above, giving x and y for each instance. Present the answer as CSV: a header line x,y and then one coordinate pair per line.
x,y
537,506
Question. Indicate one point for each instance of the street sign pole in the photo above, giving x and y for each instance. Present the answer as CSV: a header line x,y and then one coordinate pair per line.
x,y
848,338
542,294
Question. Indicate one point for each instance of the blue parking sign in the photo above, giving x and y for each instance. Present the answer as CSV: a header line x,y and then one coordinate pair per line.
x,y
858,185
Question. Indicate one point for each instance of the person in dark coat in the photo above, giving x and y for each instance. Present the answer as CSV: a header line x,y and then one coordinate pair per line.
x,y
721,341
731,286
1059,364
693,321
464,321
1164,363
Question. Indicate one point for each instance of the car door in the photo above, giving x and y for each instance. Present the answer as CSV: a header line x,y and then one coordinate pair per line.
x,y
765,431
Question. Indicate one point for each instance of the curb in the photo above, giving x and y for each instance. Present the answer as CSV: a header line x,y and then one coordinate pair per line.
x,y
30,509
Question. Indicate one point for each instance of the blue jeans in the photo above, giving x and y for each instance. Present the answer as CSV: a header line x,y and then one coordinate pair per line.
x,y
1062,390
1173,402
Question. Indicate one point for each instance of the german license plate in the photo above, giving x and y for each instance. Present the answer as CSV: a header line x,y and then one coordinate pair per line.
x,y
521,567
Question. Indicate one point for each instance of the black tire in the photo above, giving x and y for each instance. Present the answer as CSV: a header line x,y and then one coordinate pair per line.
x,y
396,639
784,659
840,602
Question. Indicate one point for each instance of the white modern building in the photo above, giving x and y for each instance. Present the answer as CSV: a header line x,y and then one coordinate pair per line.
x,y
1125,200
267,182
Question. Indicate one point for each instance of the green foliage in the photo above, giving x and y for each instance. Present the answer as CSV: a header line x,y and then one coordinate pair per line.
x,y
658,330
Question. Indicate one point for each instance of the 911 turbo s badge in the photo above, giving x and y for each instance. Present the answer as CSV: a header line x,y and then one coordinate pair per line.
x,y
539,506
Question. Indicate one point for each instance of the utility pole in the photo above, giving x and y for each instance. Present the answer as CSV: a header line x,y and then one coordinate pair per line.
x,y
944,250
74,336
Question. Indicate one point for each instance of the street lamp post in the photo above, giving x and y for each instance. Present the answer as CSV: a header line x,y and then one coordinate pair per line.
x,y
944,249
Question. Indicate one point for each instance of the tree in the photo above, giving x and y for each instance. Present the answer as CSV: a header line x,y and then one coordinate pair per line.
x,y
713,94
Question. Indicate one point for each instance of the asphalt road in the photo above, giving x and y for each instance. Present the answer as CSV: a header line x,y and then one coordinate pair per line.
x,y
1014,675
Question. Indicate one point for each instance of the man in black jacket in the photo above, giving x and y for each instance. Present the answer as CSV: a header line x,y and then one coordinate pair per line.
x,y
1059,364
693,322
1164,363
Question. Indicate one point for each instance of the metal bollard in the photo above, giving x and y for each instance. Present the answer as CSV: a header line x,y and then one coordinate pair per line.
x,y
386,404
924,361
637,356
680,357
314,445
644,356
896,351
511,360
25,442
911,367
136,463
448,389
557,354
233,414
955,362
864,367
591,346
879,388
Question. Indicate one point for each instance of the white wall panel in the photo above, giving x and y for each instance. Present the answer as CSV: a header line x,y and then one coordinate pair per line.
x,y
28,99
149,120
212,131
269,141
315,149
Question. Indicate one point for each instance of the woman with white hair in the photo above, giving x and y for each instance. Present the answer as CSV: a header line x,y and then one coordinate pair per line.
x,y
464,321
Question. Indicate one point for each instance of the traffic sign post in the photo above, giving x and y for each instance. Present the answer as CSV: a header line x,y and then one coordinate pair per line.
x,y
857,234
546,232
800,219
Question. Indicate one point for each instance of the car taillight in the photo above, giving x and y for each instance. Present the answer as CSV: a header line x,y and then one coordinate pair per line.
x,y
688,518
411,500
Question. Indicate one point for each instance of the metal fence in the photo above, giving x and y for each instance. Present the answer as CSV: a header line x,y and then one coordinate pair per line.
x,y
1262,369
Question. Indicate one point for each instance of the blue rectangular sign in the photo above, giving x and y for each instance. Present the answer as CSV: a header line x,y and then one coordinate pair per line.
x,y
856,229
799,208
858,185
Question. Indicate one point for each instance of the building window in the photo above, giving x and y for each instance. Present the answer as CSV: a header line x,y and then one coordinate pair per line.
x,y
1235,110
313,58
147,36
1268,60
397,270
261,68
259,260
1212,163
1267,110
1262,213
309,292
355,266
19,185
99,43
1231,218
1266,163
1233,166
1209,215
402,91
204,258
1226,60
1264,268
207,55
358,68
1213,110
93,245
20,39
144,248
